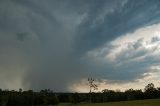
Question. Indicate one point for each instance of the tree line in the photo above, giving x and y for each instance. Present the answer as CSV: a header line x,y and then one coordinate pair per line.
x,y
48,97
28,98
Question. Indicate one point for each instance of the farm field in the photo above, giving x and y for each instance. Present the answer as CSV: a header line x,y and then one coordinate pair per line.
x,y
151,102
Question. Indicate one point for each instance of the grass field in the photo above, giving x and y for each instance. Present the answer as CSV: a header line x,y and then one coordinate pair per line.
x,y
152,102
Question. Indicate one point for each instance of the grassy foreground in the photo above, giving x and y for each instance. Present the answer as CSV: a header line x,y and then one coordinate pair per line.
x,y
151,102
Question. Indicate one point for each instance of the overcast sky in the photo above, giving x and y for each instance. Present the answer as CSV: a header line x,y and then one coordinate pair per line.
x,y
58,44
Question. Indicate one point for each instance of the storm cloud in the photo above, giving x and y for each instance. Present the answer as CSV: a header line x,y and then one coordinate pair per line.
x,y
52,44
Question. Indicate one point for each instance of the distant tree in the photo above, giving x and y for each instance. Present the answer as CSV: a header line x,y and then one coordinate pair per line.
x,y
51,100
92,86
108,95
54,100
75,98
150,91
149,87
20,90
4,99
105,90
130,94
158,92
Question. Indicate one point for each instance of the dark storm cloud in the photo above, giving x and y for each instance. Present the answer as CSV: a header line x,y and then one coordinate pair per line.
x,y
44,42
124,18
21,36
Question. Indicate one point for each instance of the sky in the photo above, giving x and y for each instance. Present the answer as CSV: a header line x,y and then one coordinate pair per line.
x,y
59,44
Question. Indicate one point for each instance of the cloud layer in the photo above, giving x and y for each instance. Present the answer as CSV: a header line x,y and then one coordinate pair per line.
x,y
53,44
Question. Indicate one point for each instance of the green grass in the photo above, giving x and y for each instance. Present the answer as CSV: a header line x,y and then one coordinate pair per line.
x,y
151,102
